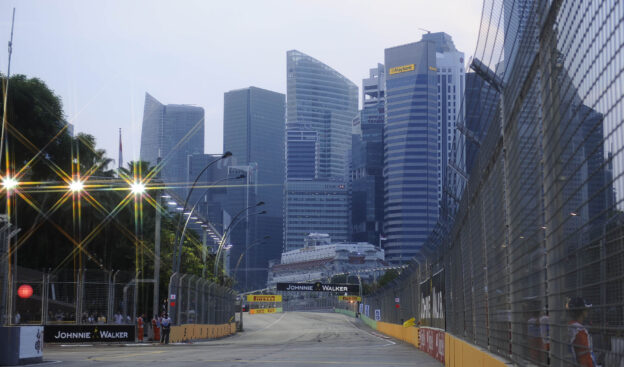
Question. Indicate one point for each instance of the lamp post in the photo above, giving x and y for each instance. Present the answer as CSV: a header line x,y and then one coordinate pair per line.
x,y
226,232
178,249
225,238
173,288
255,243
190,214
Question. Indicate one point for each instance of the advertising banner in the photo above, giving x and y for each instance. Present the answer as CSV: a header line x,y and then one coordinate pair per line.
x,y
318,287
88,333
31,342
432,301
264,298
432,342
350,298
377,314
265,310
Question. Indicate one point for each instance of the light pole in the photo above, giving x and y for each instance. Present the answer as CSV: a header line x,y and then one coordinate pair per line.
x,y
227,231
173,288
255,243
190,214
178,249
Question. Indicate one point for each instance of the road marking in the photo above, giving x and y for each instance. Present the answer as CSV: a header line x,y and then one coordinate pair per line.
x,y
270,325
383,337
75,345
105,358
315,363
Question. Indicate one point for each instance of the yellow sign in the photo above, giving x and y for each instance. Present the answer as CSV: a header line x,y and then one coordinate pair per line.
x,y
265,310
350,298
433,68
409,323
401,69
264,298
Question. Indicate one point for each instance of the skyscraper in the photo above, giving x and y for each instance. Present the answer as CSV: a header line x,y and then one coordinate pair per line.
x,y
424,85
367,160
319,101
253,130
171,132
303,154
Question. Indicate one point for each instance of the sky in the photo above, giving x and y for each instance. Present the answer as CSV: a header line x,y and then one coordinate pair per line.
x,y
101,57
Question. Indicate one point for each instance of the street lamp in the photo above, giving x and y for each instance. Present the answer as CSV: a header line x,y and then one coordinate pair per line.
x,y
189,216
256,242
176,264
76,185
137,188
227,231
9,183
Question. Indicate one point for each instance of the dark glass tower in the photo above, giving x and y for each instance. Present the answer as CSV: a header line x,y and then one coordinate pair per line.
x,y
253,130
367,161
172,133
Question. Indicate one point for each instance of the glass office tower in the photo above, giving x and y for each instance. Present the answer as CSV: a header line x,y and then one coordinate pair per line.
x,y
172,133
253,130
424,85
319,101
367,161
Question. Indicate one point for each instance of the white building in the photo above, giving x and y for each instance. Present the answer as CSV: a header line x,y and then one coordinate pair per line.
x,y
320,259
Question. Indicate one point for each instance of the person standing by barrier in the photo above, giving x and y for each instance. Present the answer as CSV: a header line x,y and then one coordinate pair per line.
x,y
140,328
165,324
156,327
579,340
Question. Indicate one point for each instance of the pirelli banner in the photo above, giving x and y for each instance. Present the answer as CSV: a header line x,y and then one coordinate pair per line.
x,y
350,298
255,311
264,298
432,301
318,287
88,333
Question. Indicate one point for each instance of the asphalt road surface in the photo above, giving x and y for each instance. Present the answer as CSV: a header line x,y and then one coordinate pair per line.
x,y
292,339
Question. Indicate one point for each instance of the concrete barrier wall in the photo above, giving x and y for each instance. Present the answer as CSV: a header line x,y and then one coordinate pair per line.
x,y
407,334
188,332
457,352
346,312
370,322
460,353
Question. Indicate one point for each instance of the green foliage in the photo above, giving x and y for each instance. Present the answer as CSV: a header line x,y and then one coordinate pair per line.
x,y
117,229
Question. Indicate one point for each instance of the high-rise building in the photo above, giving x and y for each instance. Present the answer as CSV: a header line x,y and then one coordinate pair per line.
x,y
322,102
367,161
253,130
424,85
172,133
302,155
315,205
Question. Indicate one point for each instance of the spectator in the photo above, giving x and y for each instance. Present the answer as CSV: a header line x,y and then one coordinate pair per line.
x,y
579,339
166,328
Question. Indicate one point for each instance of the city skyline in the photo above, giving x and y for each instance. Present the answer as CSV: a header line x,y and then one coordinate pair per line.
x,y
101,59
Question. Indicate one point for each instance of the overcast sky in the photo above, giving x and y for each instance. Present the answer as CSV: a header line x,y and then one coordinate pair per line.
x,y
101,56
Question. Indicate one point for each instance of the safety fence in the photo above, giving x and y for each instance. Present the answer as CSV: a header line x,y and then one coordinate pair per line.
x,y
193,300
529,252
68,297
